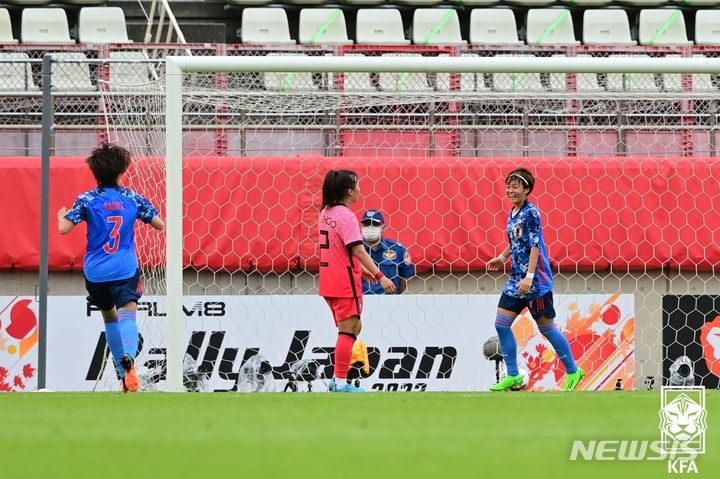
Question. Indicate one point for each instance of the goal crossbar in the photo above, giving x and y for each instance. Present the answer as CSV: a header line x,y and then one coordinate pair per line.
x,y
464,64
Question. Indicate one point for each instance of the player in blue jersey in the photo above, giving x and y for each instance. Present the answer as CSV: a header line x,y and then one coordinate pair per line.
x,y
112,276
530,284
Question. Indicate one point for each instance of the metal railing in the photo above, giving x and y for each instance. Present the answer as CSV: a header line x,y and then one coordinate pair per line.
x,y
87,79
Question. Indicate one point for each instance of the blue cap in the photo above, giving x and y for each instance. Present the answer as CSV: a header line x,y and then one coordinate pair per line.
x,y
373,215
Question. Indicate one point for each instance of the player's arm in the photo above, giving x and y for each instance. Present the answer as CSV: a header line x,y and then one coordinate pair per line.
x,y
158,223
64,225
526,283
147,213
497,262
366,261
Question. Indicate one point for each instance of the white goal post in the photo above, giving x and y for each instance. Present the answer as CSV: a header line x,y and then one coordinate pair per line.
x,y
176,66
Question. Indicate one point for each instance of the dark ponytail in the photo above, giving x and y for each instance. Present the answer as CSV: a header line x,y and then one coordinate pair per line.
x,y
335,186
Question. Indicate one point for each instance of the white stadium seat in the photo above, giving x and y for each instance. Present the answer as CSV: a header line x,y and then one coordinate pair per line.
x,y
16,76
71,73
707,27
547,26
435,26
6,34
265,26
315,30
606,27
98,25
491,26
376,26
45,26
656,31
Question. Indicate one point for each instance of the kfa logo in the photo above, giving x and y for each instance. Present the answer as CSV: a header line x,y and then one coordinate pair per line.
x,y
683,421
155,309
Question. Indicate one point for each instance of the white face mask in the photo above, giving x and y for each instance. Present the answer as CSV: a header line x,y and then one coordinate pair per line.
x,y
371,233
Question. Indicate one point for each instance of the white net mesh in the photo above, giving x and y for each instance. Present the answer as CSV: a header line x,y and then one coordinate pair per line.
x,y
624,202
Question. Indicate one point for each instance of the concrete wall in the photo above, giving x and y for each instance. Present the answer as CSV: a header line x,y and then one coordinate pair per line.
x,y
648,288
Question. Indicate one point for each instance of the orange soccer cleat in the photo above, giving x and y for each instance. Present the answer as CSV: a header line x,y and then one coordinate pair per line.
x,y
131,381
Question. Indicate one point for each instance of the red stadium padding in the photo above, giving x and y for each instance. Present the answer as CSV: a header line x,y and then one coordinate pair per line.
x,y
260,214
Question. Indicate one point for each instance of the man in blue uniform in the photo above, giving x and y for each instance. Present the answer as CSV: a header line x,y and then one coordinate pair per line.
x,y
391,257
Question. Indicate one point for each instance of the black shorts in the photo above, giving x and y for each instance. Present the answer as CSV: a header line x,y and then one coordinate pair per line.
x,y
110,294
539,307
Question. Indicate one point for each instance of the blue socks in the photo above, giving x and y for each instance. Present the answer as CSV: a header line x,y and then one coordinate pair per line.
x,y
508,344
113,337
560,345
128,332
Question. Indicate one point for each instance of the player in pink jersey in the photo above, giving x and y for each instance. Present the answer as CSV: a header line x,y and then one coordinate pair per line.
x,y
343,261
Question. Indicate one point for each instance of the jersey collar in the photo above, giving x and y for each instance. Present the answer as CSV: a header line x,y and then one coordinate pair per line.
x,y
382,245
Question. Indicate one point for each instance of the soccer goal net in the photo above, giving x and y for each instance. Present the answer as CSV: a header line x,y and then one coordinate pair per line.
x,y
234,148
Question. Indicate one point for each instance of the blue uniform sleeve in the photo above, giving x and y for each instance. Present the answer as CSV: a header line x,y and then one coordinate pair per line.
x,y
146,211
78,212
533,227
406,269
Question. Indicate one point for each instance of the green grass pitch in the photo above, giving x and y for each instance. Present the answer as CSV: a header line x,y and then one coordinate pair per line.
x,y
374,435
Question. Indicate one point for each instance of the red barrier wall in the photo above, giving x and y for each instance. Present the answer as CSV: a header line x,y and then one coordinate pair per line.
x,y
261,213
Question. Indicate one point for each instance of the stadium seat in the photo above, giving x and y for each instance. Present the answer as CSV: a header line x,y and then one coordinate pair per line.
x,y
6,34
304,2
474,3
367,2
435,26
290,81
707,27
645,3
521,82
28,3
244,3
125,75
358,81
315,30
413,82
699,3
375,26
84,2
664,27
98,25
72,73
704,82
606,27
16,76
588,3
264,26
531,3
492,26
419,3
550,27
45,26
